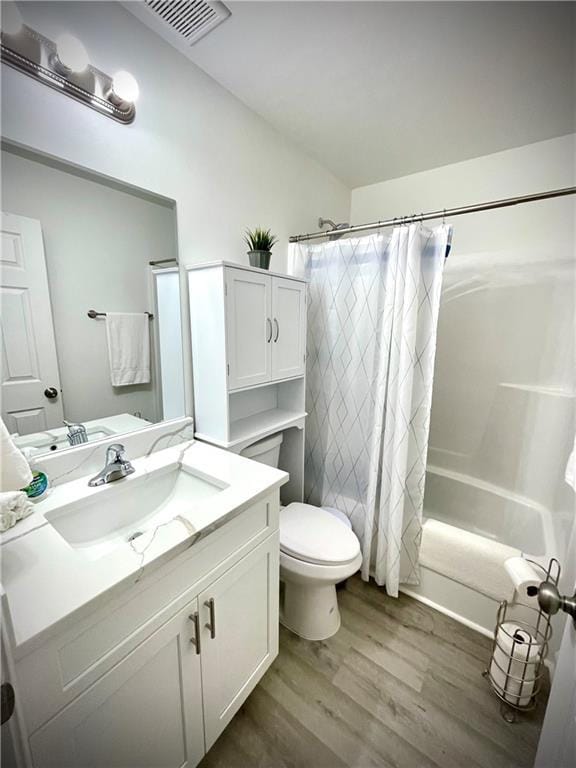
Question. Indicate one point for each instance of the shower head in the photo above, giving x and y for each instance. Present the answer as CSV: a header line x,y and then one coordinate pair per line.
x,y
333,226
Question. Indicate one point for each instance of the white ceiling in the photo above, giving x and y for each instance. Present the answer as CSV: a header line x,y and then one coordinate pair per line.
x,y
376,90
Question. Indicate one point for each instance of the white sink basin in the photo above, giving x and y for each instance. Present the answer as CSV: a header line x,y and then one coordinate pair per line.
x,y
120,512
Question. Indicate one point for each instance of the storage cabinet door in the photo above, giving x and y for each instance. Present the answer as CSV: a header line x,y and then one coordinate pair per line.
x,y
289,328
241,641
145,713
248,328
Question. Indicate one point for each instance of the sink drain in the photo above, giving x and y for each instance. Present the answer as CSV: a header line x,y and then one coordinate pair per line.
x,y
134,535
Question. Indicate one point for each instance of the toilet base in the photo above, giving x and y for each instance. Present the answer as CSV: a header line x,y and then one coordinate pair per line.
x,y
310,611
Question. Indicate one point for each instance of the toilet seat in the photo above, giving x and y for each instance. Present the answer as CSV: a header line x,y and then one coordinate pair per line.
x,y
313,535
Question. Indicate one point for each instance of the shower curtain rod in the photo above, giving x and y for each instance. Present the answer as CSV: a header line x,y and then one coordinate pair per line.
x,y
444,213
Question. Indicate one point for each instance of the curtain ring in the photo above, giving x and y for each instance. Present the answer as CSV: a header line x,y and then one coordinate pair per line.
x,y
444,217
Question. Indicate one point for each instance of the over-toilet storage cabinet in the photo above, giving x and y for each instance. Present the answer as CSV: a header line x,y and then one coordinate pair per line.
x,y
248,331
192,648
265,327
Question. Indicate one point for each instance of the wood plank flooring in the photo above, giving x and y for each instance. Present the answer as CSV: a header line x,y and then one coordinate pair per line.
x,y
399,686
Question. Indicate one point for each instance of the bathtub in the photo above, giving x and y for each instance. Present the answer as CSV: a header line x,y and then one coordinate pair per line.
x,y
487,510
471,505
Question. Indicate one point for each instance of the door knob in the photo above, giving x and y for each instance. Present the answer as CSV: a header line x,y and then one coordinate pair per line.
x,y
551,601
51,393
7,701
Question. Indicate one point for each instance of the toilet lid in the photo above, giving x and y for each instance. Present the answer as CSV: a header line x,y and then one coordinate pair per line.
x,y
311,534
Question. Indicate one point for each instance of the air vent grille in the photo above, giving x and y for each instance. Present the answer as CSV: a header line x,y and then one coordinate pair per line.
x,y
189,19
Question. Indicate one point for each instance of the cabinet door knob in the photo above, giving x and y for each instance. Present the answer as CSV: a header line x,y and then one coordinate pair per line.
x,y
276,323
195,617
51,393
212,623
269,325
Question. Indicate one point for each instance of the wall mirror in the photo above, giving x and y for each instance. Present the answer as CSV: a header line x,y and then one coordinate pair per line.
x,y
73,242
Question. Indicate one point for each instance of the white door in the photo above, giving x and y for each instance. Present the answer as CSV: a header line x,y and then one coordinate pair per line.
x,y
248,327
557,746
145,713
241,639
289,328
31,398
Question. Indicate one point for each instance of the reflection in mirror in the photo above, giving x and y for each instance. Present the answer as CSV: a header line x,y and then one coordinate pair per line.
x,y
73,242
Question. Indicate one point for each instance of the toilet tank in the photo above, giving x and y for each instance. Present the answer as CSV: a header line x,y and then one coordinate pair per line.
x,y
266,451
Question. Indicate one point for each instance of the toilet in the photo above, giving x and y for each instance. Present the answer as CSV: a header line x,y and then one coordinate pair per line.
x,y
317,551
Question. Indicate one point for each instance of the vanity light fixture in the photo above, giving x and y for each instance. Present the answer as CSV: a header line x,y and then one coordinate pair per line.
x,y
12,23
65,66
70,55
124,89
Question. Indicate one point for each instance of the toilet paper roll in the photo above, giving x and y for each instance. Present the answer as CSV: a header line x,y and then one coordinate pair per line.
x,y
515,664
525,579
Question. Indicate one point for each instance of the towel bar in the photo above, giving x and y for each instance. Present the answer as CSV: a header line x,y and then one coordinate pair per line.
x,y
93,314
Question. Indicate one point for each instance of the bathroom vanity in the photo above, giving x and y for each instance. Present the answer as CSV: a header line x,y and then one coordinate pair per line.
x,y
139,615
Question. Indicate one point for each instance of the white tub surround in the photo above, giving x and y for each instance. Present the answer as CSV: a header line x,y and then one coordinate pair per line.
x,y
166,634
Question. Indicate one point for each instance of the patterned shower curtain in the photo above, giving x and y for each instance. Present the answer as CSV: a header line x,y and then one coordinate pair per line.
x,y
372,319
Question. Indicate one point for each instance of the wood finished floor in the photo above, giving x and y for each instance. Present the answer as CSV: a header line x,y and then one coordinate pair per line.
x,y
399,685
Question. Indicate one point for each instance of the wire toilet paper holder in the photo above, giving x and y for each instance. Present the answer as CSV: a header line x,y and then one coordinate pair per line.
x,y
517,661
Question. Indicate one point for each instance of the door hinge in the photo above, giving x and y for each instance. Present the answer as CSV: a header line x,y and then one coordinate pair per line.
x,y
228,369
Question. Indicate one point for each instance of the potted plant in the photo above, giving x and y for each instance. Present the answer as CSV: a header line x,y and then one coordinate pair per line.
x,y
259,242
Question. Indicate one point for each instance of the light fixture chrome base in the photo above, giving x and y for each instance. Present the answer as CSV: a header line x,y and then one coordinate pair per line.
x,y
90,87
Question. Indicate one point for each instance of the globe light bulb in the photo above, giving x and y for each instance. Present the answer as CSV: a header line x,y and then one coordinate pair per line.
x,y
125,87
11,19
71,53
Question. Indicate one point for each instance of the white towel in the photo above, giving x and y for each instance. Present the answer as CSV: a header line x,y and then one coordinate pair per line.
x,y
14,505
15,472
472,560
570,475
128,348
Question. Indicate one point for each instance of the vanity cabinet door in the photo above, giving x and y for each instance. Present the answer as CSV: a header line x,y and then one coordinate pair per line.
x,y
248,328
289,328
240,637
145,713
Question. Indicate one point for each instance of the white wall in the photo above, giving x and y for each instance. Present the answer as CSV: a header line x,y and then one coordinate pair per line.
x,y
191,141
503,398
97,241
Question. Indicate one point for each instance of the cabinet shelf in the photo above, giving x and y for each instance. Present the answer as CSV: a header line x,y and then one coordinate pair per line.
x,y
262,424
258,425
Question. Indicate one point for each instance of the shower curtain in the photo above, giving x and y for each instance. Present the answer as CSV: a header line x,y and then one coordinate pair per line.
x,y
372,318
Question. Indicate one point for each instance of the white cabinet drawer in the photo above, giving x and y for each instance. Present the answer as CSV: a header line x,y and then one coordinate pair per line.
x,y
54,674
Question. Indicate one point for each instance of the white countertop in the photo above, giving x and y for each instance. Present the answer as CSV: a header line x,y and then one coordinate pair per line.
x,y
44,579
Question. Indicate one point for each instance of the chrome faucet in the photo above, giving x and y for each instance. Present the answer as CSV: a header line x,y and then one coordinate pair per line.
x,y
116,467
76,434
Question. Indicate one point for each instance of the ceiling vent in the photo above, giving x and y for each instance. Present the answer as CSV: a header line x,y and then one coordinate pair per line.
x,y
180,22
